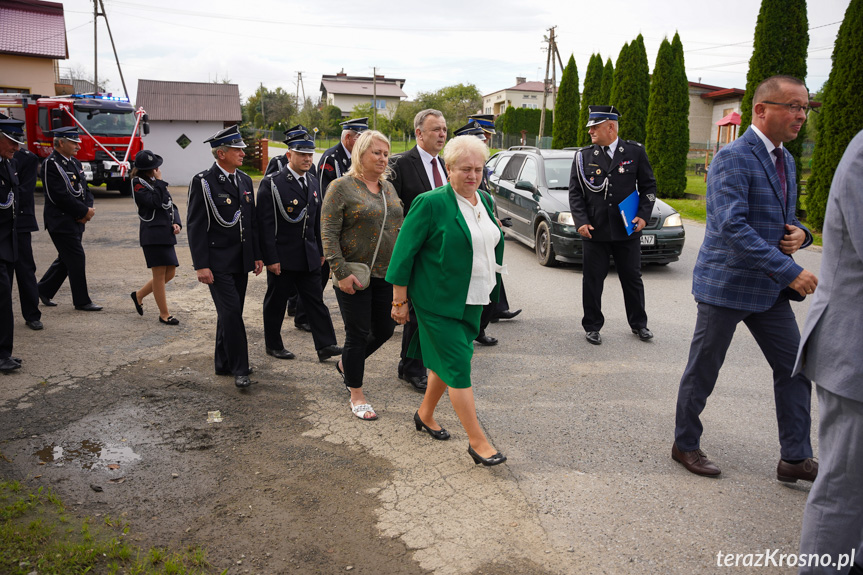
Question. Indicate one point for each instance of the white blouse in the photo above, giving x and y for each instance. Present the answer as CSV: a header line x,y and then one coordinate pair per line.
x,y
484,236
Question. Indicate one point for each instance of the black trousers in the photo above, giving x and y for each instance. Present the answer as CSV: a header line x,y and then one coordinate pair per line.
x,y
776,332
71,262
232,348
308,287
410,366
493,308
25,274
294,300
368,325
627,262
7,319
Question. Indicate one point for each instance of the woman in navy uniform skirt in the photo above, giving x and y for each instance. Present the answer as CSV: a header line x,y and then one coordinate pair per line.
x,y
160,224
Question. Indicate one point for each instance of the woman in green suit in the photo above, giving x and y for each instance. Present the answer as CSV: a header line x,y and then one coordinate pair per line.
x,y
448,259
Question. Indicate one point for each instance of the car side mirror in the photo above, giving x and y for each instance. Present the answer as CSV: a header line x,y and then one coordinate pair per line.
x,y
525,185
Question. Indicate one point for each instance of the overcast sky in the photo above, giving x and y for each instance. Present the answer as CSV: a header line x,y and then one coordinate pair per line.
x,y
449,42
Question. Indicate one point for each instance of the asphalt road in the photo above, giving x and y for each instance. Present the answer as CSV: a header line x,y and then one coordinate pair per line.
x,y
588,429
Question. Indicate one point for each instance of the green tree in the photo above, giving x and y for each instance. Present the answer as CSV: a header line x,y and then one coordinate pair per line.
x,y
667,140
279,107
607,83
567,108
592,88
457,102
402,122
841,115
631,91
780,46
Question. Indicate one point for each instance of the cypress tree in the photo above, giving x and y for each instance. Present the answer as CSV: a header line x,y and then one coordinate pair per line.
x,y
620,70
841,115
631,90
567,108
680,95
780,47
592,86
607,83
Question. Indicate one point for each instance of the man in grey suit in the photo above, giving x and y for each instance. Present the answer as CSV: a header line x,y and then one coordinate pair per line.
x,y
830,356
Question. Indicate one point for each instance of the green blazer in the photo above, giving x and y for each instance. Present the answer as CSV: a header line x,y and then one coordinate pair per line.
x,y
433,254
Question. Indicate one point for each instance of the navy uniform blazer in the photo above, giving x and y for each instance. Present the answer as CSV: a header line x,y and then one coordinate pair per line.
x,y
739,265
157,212
28,172
296,246
433,255
334,163
231,249
409,176
628,171
65,206
8,195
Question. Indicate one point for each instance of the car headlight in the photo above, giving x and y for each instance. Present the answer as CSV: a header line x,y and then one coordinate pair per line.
x,y
565,218
673,221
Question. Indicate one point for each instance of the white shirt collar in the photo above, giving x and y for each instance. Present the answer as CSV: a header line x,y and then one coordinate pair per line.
x,y
426,157
295,174
612,147
767,143
224,171
347,152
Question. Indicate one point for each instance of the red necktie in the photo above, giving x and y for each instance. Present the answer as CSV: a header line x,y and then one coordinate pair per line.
x,y
780,169
436,173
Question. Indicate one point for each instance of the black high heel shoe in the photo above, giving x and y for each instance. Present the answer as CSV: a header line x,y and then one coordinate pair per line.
x,y
495,459
441,433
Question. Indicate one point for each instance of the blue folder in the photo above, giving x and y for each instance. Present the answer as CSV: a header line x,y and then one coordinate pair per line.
x,y
628,211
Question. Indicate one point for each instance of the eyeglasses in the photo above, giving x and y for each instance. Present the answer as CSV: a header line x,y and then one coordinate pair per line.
x,y
793,108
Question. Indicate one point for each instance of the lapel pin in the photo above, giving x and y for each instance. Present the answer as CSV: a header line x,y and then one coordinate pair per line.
x,y
228,201
596,152
620,169
598,171
620,149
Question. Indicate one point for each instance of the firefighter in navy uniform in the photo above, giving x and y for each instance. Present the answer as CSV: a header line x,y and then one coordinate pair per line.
x,y
221,227
603,175
25,268
68,207
289,233
334,163
11,135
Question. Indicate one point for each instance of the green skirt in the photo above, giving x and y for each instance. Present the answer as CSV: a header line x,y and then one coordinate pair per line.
x,y
446,344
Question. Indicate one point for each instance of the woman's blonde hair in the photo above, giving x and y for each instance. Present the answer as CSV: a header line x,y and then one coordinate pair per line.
x,y
461,146
362,145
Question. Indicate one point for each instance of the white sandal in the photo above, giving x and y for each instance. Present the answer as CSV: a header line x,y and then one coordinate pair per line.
x,y
362,409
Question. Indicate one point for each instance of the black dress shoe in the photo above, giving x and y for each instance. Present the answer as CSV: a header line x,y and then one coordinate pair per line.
x,y
441,434
643,333
326,353
303,326
138,307
242,381
419,382
593,337
280,353
46,301
505,315
484,339
35,325
170,321
224,372
495,459
8,365
89,307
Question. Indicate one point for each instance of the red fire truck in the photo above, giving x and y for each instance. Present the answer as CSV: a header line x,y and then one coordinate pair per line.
x,y
110,128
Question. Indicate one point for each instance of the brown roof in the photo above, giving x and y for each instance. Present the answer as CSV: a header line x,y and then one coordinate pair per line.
x,y
33,28
190,101
355,88
724,94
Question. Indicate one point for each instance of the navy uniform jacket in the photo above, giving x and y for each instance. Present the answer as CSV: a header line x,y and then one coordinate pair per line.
x,y
291,237
67,199
213,241
28,172
334,164
8,205
628,171
279,163
157,212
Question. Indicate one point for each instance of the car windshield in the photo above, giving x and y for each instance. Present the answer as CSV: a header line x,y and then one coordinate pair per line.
x,y
557,173
104,123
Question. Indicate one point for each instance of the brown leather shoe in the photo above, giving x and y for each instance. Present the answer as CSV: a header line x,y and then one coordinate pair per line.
x,y
695,461
807,470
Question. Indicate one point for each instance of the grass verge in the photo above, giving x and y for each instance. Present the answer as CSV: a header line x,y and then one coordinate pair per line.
x,y
37,534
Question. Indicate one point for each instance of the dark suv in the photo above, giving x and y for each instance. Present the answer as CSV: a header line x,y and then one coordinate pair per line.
x,y
531,186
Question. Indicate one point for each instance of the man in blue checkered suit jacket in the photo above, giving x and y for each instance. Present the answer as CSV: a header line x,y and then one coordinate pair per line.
x,y
745,273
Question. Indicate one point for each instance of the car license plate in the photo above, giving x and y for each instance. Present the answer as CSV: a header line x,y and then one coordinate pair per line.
x,y
648,240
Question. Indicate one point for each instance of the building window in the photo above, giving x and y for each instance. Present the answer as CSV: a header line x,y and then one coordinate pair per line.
x,y
533,96
381,104
183,141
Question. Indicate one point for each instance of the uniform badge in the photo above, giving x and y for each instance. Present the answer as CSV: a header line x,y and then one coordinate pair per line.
x,y
344,162
295,202
228,201
598,171
620,169
620,149
596,152
222,178
290,209
248,199
651,197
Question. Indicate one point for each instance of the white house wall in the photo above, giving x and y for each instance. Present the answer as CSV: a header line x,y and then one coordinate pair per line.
x,y
181,164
